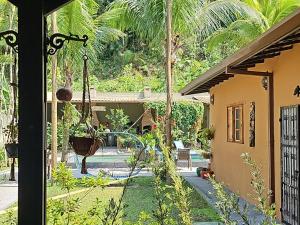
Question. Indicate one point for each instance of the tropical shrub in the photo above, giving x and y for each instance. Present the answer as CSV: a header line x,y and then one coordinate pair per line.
x,y
118,119
184,115
228,203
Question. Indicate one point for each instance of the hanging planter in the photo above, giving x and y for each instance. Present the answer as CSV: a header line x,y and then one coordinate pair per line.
x,y
11,131
12,150
64,94
85,146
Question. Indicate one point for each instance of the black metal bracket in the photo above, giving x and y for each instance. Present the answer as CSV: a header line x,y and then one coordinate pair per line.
x,y
57,40
11,39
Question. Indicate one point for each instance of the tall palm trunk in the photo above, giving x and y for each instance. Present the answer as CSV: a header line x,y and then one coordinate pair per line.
x,y
168,70
67,118
54,100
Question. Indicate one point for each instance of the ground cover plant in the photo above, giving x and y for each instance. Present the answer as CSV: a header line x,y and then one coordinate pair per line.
x,y
229,203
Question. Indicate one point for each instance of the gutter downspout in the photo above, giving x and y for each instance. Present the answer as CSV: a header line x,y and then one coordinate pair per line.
x,y
271,137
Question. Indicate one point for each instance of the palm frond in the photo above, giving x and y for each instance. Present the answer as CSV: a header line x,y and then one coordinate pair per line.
x,y
218,14
239,33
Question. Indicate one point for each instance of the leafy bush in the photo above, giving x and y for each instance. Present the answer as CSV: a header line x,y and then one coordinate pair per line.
x,y
2,158
118,119
185,116
229,203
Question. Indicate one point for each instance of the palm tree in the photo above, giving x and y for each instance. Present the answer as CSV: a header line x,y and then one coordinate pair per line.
x,y
190,18
244,30
81,18
273,11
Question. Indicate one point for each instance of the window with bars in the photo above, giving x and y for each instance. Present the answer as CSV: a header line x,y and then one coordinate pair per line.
x,y
235,124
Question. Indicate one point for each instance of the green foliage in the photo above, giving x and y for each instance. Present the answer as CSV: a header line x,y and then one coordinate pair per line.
x,y
205,136
164,204
118,119
66,211
262,194
229,203
11,133
2,158
275,10
181,195
63,177
244,30
10,218
184,115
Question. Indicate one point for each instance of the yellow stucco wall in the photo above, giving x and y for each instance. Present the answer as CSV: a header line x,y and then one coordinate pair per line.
x,y
286,77
226,162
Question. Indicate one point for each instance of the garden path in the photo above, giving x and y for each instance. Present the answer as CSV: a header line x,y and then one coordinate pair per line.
x,y
8,190
205,188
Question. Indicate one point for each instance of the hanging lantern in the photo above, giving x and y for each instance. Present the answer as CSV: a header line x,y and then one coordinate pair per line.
x,y
64,94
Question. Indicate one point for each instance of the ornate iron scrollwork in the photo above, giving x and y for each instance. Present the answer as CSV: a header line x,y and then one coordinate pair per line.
x,y
56,41
11,39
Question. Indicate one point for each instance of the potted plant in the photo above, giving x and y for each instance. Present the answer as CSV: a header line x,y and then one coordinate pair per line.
x,y
11,134
119,121
85,142
206,135
11,146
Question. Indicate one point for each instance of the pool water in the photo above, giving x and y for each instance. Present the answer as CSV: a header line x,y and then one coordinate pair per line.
x,y
196,157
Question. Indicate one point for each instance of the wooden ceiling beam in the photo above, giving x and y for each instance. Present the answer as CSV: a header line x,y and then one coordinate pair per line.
x,y
243,66
247,72
215,81
275,49
266,56
284,43
253,61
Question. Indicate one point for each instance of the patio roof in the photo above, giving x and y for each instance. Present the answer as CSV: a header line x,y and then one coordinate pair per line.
x,y
134,97
279,38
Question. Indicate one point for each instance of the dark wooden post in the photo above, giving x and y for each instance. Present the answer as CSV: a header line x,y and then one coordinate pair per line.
x,y
32,104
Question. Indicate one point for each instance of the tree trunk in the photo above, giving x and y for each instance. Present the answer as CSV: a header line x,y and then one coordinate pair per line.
x,y
67,119
168,70
54,100
66,130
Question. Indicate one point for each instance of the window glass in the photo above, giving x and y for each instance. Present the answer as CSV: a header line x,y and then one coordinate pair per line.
x,y
234,123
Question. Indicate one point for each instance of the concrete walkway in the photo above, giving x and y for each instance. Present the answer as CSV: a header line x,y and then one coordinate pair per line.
x,y
8,190
8,194
205,188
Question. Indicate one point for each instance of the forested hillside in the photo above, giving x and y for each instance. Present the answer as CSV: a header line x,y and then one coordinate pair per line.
x,y
205,33
127,38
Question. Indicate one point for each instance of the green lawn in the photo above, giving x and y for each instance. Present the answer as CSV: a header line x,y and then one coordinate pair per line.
x,y
139,197
141,194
